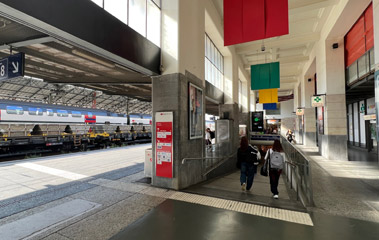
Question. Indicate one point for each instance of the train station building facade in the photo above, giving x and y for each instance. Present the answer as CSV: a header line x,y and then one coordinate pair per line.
x,y
184,68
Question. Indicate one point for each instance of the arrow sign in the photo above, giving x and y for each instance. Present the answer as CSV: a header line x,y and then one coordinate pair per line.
x,y
12,66
15,66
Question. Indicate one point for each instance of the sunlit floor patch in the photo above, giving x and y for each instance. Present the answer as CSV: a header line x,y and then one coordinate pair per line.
x,y
52,171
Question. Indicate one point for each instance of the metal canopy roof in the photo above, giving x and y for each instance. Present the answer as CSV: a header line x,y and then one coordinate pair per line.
x,y
29,89
70,75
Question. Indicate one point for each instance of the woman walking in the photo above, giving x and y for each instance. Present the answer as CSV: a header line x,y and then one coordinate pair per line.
x,y
276,160
248,158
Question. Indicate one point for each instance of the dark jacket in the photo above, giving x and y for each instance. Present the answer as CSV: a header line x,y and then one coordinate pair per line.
x,y
251,155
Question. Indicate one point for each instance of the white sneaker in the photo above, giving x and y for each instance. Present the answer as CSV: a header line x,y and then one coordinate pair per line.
x,y
243,186
276,196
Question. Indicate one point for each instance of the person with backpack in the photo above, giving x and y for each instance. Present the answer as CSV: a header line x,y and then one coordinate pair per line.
x,y
276,161
248,157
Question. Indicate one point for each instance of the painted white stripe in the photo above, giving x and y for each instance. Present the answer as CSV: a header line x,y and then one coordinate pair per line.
x,y
52,171
42,221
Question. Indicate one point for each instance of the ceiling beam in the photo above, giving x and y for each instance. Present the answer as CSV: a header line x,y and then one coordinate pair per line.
x,y
302,8
287,41
287,60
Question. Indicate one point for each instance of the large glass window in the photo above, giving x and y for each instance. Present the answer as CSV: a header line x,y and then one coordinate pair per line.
x,y
36,111
62,113
15,110
144,16
214,64
49,112
98,2
118,8
137,13
240,92
362,112
153,23
76,114
356,123
351,128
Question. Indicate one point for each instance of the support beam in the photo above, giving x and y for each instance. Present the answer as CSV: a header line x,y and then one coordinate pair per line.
x,y
287,40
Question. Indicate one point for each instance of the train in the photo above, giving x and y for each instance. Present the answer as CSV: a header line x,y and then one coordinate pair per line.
x,y
31,128
15,111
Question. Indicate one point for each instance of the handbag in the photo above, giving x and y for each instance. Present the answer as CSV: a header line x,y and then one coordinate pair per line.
x,y
264,169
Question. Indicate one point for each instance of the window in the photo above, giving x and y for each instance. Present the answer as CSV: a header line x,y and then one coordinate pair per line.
x,y
89,114
153,23
240,92
214,64
144,16
137,16
98,2
118,8
49,112
15,110
76,114
35,111
62,113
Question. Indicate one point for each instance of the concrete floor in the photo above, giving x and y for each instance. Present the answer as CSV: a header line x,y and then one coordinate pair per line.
x,y
180,220
344,188
95,195
90,195
228,187
359,154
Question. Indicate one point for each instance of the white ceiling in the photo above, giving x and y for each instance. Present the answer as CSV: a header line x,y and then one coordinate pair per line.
x,y
306,19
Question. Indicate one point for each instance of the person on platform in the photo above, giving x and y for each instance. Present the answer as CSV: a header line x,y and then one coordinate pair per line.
x,y
208,139
289,135
276,161
248,157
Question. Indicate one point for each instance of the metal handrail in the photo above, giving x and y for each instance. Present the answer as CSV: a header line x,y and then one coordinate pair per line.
x,y
202,158
298,171
219,163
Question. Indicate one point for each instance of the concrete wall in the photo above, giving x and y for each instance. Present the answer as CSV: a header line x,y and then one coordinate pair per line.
x,y
170,93
328,64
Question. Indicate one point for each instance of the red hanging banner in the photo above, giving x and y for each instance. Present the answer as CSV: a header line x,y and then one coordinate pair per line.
x,y
250,20
276,18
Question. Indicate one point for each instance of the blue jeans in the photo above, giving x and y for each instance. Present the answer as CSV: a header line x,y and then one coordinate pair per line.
x,y
247,171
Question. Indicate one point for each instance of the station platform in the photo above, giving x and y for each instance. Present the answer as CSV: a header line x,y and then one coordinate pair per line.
x,y
100,195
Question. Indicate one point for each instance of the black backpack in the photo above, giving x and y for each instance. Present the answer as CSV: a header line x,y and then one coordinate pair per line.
x,y
252,156
212,134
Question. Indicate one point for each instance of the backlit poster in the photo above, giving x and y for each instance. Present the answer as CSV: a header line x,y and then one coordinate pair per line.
x,y
195,112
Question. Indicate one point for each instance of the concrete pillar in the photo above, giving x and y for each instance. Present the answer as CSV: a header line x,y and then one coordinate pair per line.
x,y
253,101
376,43
308,88
182,48
331,81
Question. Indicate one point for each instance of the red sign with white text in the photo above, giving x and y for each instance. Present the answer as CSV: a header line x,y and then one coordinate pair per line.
x,y
164,145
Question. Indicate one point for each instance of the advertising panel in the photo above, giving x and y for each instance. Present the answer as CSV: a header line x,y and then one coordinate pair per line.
x,y
257,122
195,112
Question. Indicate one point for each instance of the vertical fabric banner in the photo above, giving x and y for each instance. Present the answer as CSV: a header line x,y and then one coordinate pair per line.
x,y
276,18
250,20
265,76
268,96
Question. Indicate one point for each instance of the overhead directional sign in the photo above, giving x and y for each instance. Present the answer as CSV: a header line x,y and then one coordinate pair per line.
x,y
318,101
12,66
